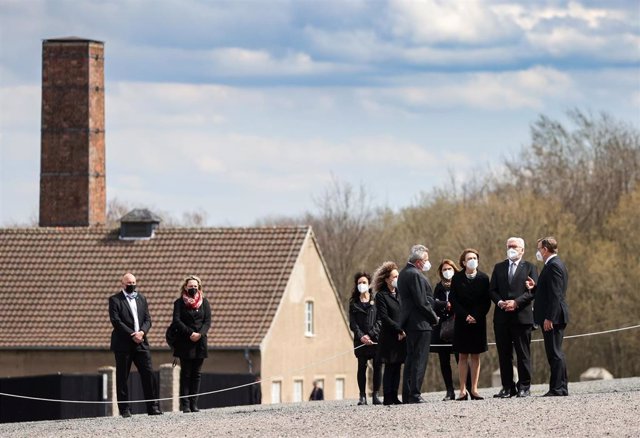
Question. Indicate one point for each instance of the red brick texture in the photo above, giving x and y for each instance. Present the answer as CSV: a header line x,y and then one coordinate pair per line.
x,y
72,171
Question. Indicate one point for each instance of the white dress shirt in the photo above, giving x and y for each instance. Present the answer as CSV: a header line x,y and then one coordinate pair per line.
x,y
134,311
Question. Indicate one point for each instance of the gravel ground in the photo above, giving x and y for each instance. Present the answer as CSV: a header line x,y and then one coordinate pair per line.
x,y
594,409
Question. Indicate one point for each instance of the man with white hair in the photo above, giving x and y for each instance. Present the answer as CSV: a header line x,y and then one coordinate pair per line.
x,y
513,318
416,318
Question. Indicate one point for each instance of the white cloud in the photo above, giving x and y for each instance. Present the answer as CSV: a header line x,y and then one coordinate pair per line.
x,y
235,60
529,15
433,21
529,88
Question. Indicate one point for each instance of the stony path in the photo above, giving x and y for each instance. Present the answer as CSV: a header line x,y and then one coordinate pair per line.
x,y
594,409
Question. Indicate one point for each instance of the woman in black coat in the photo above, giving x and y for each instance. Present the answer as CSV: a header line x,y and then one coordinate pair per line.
x,y
470,302
191,320
392,347
446,270
364,325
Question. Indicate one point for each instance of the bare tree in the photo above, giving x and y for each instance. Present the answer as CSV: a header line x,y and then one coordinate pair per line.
x,y
194,219
115,210
340,224
588,168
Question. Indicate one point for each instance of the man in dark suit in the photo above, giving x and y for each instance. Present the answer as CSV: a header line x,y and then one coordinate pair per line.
x,y
417,317
513,318
129,314
551,312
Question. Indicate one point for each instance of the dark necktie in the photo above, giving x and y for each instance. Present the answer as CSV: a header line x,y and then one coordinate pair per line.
x,y
512,270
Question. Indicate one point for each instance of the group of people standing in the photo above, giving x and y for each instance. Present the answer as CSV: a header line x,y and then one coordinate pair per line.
x,y
129,315
397,316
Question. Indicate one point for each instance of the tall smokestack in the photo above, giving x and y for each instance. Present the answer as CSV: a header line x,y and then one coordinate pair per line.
x,y
72,167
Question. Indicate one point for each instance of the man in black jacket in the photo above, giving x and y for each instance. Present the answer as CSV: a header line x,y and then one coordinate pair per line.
x,y
513,318
417,317
129,314
551,312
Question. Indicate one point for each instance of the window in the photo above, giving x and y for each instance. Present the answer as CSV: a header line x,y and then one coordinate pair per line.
x,y
340,388
308,318
276,392
297,391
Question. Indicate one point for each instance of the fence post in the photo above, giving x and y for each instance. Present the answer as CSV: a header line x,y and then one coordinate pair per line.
x,y
169,387
108,374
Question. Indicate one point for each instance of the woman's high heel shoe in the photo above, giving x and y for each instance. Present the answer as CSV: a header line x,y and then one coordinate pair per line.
x,y
464,397
476,397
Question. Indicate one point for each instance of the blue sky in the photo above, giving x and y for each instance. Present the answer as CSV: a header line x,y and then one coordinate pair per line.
x,y
248,109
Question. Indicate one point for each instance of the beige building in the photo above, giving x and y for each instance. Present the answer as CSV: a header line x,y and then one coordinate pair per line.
x,y
275,310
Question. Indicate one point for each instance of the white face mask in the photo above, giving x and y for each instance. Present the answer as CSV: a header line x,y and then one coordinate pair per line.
x,y
362,288
472,264
512,254
539,256
394,283
447,274
426,266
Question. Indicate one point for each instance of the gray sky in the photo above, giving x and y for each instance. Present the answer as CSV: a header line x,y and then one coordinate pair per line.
x,y
247,109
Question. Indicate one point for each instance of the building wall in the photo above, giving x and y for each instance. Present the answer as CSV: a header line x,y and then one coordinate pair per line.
x,y
286,349
15,363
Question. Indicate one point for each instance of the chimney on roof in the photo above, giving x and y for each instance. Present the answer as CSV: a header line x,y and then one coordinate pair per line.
x,y
138,224
72,166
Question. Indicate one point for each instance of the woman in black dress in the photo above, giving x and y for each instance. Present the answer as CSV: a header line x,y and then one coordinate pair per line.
x,y
470,302
365,328
392,348
192,320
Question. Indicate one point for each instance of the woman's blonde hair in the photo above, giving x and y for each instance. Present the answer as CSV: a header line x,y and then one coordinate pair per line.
x,y
186,280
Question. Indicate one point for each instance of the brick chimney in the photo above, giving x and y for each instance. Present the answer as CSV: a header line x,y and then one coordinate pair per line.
x,y
72,167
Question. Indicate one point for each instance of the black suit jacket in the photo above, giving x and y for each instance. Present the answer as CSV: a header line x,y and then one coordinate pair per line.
x,y
123,324
189,321
416,300
550,293
501,289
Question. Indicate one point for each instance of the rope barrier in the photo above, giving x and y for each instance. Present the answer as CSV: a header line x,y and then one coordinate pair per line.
x,y
217,391
582,335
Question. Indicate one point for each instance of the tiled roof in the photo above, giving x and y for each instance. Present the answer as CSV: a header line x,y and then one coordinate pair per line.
x,y
55,282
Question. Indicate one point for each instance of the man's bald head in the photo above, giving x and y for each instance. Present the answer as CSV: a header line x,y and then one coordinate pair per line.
x,y
127,279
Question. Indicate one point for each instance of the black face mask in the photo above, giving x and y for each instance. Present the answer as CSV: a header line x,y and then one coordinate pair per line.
x,y
192,291
130,288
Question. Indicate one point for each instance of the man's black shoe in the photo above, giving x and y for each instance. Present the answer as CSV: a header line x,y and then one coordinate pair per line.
x,y
523,393
506,393
155,411
415,400
125,414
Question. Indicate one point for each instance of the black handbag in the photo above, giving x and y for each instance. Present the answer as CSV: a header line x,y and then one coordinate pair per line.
x,y
447,328
171,335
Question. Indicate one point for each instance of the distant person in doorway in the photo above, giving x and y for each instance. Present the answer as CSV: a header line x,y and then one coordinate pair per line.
x,y
317,393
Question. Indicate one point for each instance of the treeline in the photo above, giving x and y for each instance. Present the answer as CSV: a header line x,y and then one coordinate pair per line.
x,y
578,183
